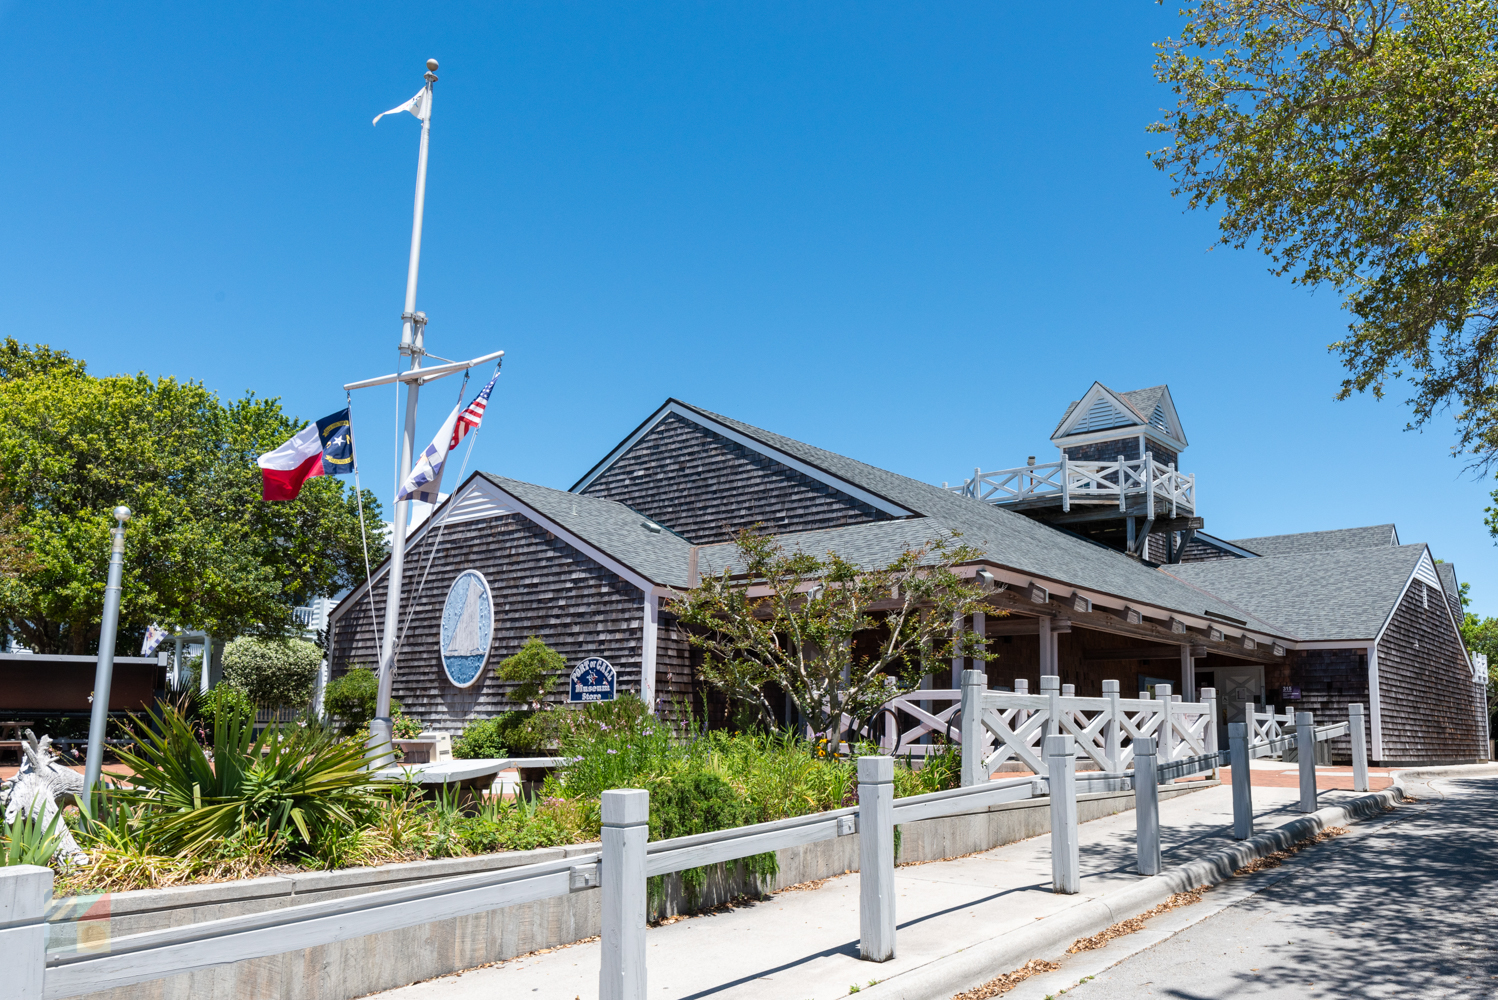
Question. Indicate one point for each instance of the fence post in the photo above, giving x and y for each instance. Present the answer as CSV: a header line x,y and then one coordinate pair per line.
x,y
974,684
1061,767
1356,729
1243,801
25,892
876,858
1113,728
621,967
1209,735
1305,749
1165,737
1050,686
1146,806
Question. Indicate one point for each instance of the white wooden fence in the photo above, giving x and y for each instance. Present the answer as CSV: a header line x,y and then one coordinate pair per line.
x,y
1009,726
1088,482
624,862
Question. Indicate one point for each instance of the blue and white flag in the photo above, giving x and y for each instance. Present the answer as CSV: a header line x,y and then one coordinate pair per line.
x,y
154,636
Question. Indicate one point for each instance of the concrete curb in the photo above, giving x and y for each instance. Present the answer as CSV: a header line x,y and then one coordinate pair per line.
x,y
1049,938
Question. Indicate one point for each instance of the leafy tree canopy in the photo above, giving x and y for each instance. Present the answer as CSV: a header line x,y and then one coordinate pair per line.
x,y
274,673
202,549
1353,141
838,638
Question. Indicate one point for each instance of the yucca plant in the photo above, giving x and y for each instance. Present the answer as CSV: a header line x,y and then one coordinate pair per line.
x,y
29,841
290,785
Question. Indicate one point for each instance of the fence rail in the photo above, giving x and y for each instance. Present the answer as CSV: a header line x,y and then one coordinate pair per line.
x,y
1087,482
626,860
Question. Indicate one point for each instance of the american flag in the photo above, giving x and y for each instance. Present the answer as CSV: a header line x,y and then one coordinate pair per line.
x,y
472,415
425,481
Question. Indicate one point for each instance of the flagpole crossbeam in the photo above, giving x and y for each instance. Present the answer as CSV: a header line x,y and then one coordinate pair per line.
x,y
421,376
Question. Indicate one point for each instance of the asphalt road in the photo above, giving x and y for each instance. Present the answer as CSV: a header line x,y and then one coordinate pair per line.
x,y
1405,908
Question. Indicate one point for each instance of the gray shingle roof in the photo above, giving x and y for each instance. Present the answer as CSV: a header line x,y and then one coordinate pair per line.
x,y
1144,401
609,525
1317,596
1008,539
1371,537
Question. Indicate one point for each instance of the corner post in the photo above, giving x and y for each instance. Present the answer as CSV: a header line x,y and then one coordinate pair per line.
x,y
1061,768
974,683
1165,735
1305,749
876,858
1209,734
1243,801
1050,686
621,968
1358,732
1113,728
25,892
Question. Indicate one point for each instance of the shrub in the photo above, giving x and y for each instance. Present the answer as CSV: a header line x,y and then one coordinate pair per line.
x,y
481,739
275,673
227,703
351,699
289,787
695,802
532,670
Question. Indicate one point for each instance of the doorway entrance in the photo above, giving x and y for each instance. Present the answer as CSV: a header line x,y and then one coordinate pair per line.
x,y
1236,686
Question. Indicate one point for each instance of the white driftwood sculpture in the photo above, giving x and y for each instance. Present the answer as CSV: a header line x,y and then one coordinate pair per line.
x,y
40,788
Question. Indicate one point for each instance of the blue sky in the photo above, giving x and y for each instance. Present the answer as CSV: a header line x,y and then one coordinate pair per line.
x,y
911,233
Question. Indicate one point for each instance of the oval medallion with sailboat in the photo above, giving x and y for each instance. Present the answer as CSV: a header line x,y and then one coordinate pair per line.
x,y
467,628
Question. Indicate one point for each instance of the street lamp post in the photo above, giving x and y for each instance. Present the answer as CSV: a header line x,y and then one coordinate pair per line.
x,y
104,671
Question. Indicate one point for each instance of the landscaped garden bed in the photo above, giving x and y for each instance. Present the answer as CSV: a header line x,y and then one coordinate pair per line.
x,y
203,809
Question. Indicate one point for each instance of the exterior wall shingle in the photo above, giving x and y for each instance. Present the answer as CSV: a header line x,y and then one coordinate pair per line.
x,y
541,585
1329,681
1431,709
706,487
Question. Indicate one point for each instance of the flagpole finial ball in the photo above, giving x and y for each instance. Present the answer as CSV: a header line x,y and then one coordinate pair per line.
x,y
432,65
122,514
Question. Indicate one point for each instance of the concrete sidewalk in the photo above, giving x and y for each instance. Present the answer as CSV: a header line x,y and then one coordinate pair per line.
x,y
803,943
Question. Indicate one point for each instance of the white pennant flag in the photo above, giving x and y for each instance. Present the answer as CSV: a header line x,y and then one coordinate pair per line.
x,y
416,105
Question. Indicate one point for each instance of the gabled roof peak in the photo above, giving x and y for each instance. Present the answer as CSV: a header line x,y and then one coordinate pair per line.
x,y
1102,410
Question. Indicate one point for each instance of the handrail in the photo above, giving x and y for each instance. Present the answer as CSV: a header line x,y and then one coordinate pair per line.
x,y
1086,481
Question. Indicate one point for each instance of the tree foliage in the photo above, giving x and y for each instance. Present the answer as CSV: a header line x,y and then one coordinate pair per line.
x,y
203,551
838,638
274,673
1353,141
532,670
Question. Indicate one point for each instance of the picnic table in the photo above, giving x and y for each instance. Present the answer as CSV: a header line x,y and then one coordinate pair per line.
x,y
13,740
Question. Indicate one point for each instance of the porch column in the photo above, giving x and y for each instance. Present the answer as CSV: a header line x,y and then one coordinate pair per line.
x,y
980,626
1047,646
1188,674
957,664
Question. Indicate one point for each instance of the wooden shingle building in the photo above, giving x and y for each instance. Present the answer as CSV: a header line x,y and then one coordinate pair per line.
x,y
1107,574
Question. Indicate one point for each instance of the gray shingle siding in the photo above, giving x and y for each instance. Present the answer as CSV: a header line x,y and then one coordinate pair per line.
x,y
541,586
1431,710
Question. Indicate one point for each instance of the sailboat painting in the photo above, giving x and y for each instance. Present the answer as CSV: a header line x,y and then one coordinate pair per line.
x,y
467,628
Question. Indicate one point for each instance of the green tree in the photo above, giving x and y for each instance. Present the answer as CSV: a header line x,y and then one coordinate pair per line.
x,y
202,549
532,670
1353,141
274,673
837,638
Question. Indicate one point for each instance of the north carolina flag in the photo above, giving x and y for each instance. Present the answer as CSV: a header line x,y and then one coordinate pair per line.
x,y
322,448
425,481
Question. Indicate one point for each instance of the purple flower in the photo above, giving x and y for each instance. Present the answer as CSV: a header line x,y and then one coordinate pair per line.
x,y
613,751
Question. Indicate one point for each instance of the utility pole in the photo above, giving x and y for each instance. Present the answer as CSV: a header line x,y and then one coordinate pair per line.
x,y
104,670
412,325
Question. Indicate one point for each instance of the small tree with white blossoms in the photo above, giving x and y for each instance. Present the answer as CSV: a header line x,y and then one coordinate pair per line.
x,y
838,638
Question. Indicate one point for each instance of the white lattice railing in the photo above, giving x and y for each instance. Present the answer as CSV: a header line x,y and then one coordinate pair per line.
x,y
1088,482
1013,726
1265,725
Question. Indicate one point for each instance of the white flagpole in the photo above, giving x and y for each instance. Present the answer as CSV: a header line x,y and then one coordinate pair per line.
x,y
412,325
